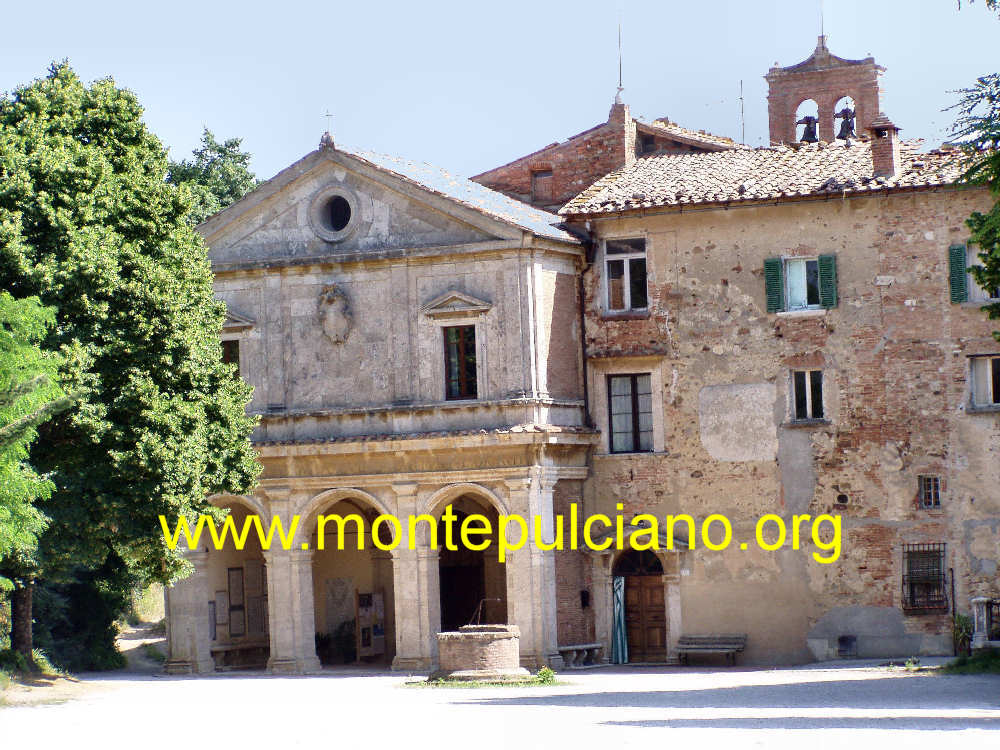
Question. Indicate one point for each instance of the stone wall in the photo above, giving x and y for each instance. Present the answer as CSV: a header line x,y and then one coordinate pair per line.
x,y
894,354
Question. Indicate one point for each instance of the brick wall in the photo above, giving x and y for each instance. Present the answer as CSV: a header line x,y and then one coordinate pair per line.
x,y
574,623
576,163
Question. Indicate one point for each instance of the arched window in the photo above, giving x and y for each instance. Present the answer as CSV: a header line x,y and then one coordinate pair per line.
x,y
638,563
844,114
807,122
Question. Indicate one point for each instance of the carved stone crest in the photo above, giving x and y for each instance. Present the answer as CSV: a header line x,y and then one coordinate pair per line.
x,y
335,314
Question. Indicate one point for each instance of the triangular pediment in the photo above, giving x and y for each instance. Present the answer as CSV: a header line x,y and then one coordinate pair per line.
x,y
390,215
455,304
237,322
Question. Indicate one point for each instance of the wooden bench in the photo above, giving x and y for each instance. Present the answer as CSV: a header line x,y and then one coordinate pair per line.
x,y
580,655
728,644
245,655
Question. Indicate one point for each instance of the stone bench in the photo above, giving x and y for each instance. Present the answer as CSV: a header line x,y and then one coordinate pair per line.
x,y
580,655
728,644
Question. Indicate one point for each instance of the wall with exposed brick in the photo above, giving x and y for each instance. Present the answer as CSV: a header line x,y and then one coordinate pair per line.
x,y
575,163
575,623
894,355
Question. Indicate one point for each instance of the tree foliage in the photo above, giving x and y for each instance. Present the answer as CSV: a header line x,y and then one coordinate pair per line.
x,y
217,176
977,128
90,225
29,394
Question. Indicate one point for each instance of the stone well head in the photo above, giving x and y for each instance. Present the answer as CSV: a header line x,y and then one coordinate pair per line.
x,y
480,652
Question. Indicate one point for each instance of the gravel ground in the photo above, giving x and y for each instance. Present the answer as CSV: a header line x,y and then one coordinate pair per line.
x,y
858,703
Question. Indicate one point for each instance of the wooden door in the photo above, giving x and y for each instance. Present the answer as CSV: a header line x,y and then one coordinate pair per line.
x,y
645,619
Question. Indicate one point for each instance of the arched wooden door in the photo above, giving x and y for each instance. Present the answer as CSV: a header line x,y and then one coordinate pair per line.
x,y
645,607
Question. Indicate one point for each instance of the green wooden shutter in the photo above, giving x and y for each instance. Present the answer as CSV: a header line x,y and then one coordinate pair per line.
x,y
774,284
956,274
828,281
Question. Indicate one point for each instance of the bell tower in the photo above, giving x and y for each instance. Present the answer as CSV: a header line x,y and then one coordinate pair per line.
x,y
825,79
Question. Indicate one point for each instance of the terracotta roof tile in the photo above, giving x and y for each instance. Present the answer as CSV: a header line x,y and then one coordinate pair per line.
x,y
771,173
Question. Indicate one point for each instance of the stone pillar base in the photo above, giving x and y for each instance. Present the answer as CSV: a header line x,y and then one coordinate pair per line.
x,y
185,666
411,664
294,666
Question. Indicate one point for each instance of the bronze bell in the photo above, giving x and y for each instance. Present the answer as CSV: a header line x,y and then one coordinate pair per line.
x,y
809,132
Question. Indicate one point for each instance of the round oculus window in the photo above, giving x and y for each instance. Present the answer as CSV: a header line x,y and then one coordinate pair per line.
x,y
333,214
338,213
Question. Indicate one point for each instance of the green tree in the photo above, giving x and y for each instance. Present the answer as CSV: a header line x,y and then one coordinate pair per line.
x,y
90,225
217,176
29,394
978,130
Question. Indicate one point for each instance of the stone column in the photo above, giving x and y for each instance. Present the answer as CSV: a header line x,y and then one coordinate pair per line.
x,y
603,603
291,616
979,622
383,575
416,593
188,629
531,580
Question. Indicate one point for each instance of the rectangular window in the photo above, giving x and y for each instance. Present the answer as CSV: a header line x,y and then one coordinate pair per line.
x,y
630,412
460,362
924,577
625,263
647,143
807,394
231,353
978,294
985,377
930,491
541,186
802,278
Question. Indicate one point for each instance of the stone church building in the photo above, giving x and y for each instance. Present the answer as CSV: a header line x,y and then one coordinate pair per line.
x,y
703,328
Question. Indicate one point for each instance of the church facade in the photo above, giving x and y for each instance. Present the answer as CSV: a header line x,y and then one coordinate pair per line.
x,y
718,330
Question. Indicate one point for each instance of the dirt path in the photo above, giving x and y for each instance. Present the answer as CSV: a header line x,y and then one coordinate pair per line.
x,y
135,643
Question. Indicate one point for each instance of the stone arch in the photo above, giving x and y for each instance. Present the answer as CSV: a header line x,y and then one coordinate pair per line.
x,y
348,583
312,507
439,499
251,502
236,579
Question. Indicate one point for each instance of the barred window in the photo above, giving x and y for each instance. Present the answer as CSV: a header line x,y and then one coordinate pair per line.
x,y
924,577
930,491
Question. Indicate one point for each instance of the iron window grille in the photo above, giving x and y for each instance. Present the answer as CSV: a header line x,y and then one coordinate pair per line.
x,y
924,581
930,491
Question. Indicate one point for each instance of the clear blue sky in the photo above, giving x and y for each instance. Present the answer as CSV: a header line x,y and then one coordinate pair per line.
x,y
468,86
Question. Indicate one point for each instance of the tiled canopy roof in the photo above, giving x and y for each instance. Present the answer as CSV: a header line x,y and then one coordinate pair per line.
x,y
773,173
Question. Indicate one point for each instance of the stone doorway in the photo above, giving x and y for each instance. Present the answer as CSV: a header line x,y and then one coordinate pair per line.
x,y
473,584
645,605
